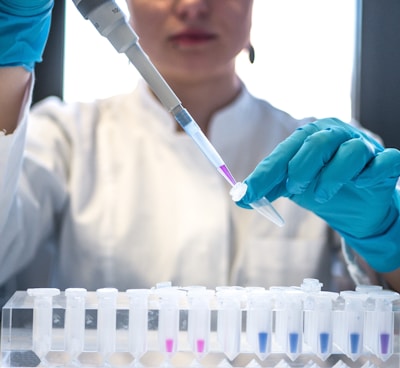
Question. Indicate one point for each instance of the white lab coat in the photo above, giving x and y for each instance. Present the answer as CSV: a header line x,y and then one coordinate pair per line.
x,y
110,194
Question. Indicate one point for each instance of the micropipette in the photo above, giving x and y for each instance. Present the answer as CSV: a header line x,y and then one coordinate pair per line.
x,y
111,23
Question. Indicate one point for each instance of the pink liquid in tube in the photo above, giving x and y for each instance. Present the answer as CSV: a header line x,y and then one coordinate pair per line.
x,y
169,345
200,345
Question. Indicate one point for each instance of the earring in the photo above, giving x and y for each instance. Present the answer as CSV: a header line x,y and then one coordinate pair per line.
x,y
252,53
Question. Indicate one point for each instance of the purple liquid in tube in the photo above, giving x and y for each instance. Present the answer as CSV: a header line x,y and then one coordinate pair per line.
x,y
227,174
385,338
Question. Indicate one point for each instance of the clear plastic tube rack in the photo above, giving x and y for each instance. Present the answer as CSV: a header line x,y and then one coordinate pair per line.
x,y
195,326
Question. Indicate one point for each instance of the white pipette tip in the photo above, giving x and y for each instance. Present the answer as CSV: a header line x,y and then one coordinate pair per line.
x,y
262,206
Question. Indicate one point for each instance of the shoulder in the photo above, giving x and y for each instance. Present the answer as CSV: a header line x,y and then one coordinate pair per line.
x,y
57,109
267,114
74,116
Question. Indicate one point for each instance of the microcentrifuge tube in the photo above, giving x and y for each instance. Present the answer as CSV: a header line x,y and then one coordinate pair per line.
x,y
229,321
42,319
138,319
294,327
75,321
259,322
280,315
310,285
353,323
318,322
199,317
289,321
168,320
106,320
366,289
262,206
379,323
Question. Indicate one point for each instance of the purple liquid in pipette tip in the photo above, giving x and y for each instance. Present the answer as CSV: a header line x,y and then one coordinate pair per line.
x,y
227,174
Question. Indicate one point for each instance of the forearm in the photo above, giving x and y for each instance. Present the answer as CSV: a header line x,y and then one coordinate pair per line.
x,y
24,27
14,82
393,279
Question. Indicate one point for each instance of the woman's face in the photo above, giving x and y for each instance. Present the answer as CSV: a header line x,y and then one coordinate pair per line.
x,y
192,38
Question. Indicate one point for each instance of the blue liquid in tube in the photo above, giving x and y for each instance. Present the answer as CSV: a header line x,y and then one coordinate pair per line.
x,y
354,342
262,341
324,342
293,342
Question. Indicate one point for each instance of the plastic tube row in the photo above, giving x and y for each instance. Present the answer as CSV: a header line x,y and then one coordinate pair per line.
x,y
290,320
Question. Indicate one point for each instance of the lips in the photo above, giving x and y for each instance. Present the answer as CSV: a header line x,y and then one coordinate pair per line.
x,y
192,37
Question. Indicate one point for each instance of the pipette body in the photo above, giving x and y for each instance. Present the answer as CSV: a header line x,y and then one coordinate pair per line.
x,y
111,23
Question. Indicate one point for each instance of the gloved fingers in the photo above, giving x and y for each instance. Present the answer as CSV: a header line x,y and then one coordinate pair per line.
x,y
385,166
295,158
25,8
24,28
268,176
271,173
313,156
253,195
348,161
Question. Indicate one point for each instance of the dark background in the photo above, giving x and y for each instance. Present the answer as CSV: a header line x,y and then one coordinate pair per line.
x,y
376,94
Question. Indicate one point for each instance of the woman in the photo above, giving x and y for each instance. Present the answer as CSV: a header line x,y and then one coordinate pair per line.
x,y
121,197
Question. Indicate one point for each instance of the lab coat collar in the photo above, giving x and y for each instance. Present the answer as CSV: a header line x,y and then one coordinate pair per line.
x,y
235,110
153,105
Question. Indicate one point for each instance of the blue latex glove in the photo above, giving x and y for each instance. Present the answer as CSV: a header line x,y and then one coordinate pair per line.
x,y
345,177
24,28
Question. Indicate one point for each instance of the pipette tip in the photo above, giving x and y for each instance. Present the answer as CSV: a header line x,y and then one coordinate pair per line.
x,y
262,206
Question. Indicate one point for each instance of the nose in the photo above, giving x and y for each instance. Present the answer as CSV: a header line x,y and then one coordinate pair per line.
x,y
187,9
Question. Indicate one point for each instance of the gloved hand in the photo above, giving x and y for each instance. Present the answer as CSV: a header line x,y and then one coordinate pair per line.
x,y
345,177
24,28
